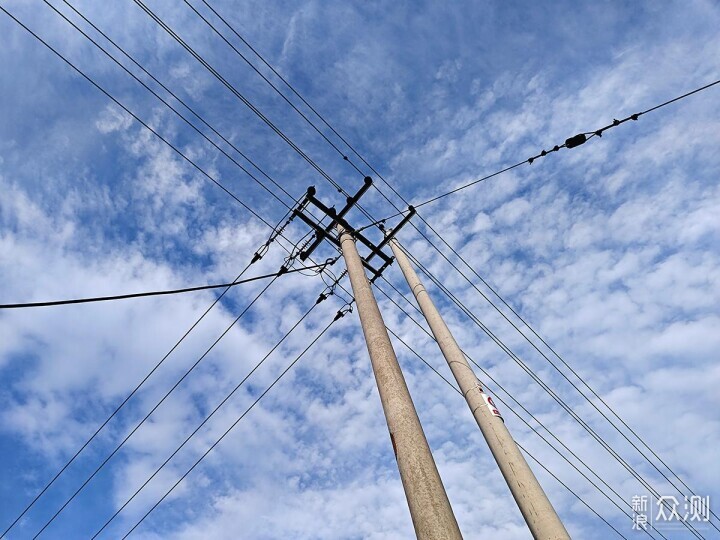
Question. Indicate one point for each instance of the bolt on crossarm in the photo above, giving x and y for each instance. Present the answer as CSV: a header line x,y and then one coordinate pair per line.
x,y
539,514
430,509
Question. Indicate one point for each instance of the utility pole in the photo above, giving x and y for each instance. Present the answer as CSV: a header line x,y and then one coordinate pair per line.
x,y
540,516
430,509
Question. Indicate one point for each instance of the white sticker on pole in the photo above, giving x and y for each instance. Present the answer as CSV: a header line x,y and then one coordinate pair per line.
x,y
491,405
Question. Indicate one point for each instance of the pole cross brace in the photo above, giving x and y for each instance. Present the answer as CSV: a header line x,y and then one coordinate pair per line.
x,y
327,232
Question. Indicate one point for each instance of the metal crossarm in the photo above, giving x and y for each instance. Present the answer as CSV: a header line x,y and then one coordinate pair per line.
x,y
328,232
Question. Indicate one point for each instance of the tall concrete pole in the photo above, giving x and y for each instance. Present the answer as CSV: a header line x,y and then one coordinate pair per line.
x,y
430,509
540,516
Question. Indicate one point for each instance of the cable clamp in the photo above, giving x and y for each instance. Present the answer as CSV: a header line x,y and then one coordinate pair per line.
x,y
260,253
344,311
577,140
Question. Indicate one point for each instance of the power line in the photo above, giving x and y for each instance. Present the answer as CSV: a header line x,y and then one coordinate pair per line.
x,y
554,352
524,321
176,97
115,412
507,405
563,484
545,386
237,94
256,70
683,96
570,143
339,315
247,102
555,366
155,407
183,156
275,88
547,389
179,100
259,254
146,126
279,273
128,111
574,372
321,298
322,118
412,350
178,152
174,148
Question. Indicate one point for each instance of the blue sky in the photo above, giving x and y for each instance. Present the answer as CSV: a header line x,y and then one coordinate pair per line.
x,y
609,250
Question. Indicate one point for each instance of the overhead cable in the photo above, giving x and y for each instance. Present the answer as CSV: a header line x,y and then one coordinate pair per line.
x,y
595,394
570,143
169,30
169,106
154,408
489,377
268,81
279,273
140,121
174,110
174,148
337,317
236,93
115,412
544,342
323,296
183,156
546,387
414,352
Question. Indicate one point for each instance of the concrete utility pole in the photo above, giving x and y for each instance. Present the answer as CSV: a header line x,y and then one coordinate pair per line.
x,y
430,509
540,516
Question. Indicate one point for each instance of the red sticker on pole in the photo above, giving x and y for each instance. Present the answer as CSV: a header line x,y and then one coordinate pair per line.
x,y
491,405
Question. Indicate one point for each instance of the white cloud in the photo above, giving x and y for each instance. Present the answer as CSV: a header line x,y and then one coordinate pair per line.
x,y
113,119
609,249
